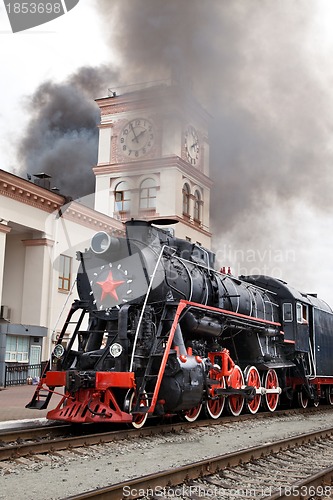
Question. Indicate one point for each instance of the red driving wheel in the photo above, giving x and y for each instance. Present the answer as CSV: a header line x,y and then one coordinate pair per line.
x,y
214,407
139,419
236,381
192,414
252,378
271,382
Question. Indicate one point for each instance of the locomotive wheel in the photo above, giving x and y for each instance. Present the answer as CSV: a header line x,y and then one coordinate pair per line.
x,y
252,378
302,399
139,419
214,407
329,395
236,381
271,382
192,414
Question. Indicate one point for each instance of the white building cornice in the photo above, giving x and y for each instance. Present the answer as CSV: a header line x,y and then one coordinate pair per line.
x,y
158,164
26,192
165,95
88,217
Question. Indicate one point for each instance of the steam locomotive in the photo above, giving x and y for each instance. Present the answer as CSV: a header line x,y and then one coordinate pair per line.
x,y
159,332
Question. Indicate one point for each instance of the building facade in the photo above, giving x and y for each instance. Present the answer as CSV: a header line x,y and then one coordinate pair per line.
x,y
153,159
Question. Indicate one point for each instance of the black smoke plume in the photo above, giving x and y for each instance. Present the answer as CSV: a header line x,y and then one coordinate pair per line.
x,y
62,136
259,70
252,65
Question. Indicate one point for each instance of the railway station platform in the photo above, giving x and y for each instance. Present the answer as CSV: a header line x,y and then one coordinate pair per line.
x,y
13,400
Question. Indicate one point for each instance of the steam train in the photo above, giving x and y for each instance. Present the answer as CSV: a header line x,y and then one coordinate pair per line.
x,y
159,332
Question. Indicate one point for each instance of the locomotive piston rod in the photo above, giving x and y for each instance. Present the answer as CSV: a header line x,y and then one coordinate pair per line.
x,y
249,392
276,390
246,391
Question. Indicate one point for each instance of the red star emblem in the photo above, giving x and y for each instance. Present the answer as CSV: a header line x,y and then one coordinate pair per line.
x,y
109,287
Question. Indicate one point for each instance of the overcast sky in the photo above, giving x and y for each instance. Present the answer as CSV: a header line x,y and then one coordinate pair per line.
x,y
51,51
264,67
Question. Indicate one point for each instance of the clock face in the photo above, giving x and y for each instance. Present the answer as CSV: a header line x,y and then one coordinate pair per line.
x,y
192,145
137,138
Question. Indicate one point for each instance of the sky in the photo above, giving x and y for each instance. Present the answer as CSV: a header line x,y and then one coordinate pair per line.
x,y
262,68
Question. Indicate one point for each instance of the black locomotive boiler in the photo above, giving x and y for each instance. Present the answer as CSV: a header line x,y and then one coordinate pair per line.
x,y
158,331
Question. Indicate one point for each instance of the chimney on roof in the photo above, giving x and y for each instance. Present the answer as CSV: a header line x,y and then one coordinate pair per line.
x,y
42,180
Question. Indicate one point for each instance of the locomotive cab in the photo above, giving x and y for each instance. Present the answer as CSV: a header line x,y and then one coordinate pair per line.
x,y
307,324
295,310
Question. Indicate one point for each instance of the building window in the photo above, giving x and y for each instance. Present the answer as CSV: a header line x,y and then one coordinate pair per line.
x,y
148,194
122,197
197,206
65,264
17,349
186,199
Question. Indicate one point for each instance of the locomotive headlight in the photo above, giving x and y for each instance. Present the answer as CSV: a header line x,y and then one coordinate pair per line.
x,y
101,242
58,351
116,350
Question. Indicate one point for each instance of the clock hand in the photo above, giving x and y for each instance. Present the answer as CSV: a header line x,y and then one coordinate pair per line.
x,y
139,135
135,136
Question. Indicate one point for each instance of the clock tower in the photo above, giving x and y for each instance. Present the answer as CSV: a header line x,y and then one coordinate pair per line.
x,y
153,159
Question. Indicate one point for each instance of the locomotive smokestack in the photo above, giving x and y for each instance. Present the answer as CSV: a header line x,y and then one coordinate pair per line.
x,y
138,230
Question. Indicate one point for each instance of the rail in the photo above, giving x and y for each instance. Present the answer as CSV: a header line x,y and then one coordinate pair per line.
x,y
204,477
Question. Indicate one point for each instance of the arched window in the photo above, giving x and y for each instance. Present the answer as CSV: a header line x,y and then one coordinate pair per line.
x,y
197,206
186,199
122,197
148,194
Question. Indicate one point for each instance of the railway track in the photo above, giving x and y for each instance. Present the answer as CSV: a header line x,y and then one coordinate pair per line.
x,y
32,433
20,443
281,470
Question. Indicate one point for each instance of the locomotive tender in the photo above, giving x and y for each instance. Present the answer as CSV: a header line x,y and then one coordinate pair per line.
x,y
158,331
